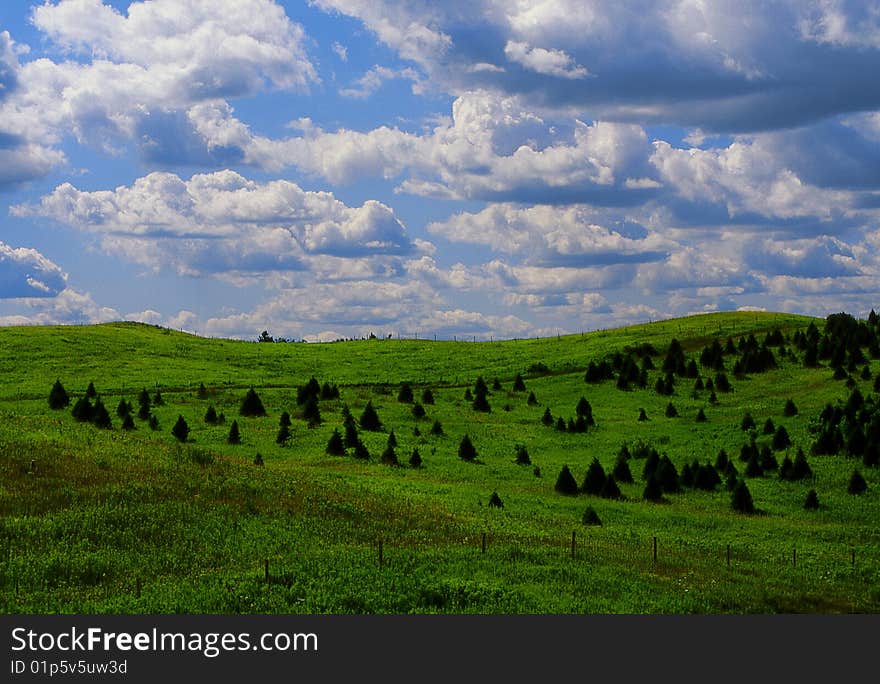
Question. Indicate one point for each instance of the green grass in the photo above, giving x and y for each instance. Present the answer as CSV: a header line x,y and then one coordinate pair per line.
x,y
114,521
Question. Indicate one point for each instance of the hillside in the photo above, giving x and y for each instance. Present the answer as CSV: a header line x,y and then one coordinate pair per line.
x,y
134,520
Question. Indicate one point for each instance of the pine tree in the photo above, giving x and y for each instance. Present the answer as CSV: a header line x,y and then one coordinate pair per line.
x,y
653,491
481,403
532,400
565,483
58,397
857,484
335,445
701,416
128,422
211,415
621,470
467,395
312,412
437,429
284,420
561,424
496,385
610,490
721,461
91,392
405,395
157,399
123,408
667,475
427,396
234,436
748,423
251,405
180,429
100,416
202,392
389,456
258,459
351,433
547,418
370,419
144,405
741,498
769,427
283,436
153,423
418,411
360,451
594,479
495,501
781,440
671,411
811,503
415,460
522,455
590,517
642,415
519,384
790,409
466,449
392,438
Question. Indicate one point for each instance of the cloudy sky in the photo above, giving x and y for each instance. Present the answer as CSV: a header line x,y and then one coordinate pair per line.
x,y
489,168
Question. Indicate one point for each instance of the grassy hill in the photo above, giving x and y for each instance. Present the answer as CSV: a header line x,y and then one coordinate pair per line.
x,y
113,520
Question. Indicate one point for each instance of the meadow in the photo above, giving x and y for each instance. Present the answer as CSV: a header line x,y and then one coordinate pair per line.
x,y
135,521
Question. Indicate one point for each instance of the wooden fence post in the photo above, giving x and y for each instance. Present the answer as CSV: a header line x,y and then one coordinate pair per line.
x,y
794,557
381,559
655,550
728,555
572,543
483,544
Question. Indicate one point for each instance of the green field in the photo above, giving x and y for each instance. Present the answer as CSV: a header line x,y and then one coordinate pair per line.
x,y
108,520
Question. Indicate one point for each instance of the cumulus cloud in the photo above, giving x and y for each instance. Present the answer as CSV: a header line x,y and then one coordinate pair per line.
x,y
129,75
371,81
543,61
69,306
24,272
221,222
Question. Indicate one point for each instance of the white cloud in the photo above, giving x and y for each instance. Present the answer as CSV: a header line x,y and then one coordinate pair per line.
x,y
219,222
24,272
543,61
69,306
371,81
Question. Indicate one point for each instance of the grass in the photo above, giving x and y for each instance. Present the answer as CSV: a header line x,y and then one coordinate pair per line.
x,y
109,521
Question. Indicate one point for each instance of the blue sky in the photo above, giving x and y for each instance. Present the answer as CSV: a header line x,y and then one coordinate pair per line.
x,y
333,168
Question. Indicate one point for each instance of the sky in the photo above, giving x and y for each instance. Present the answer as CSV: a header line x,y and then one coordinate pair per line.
x,y
488,169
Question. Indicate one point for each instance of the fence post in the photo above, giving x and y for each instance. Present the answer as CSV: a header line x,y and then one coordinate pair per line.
x,y
853,558
572,543
728,555
381,559
483,544
655,550
794,557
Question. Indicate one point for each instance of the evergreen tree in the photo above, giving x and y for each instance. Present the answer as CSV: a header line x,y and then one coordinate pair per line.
x,y
769,427
706,478
100,415
561,424
128,422
713,398
360,451
590,517
335,445
768,460
687,476
495,501
418,411
251,405
437,429
781,440
565,483
790,409
653,491
594,478
741,499
671,411
857,484
698,384
651,463
157,399
642,415
123,408
753,467
610,490
522,455
801,469
415,460
211,415
701,416
370,419
786,469
234,436
351,433
91,392
427,396
519,384
258,459
180,429
405,395
547,418
467,395
144,405
392,438
480,386
721,461
58,398
811,503
153,423
481,403
532,400
283,436
312,412
202,392
466,449
621,470
389,456
667,475
584,409
496,385
284,420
